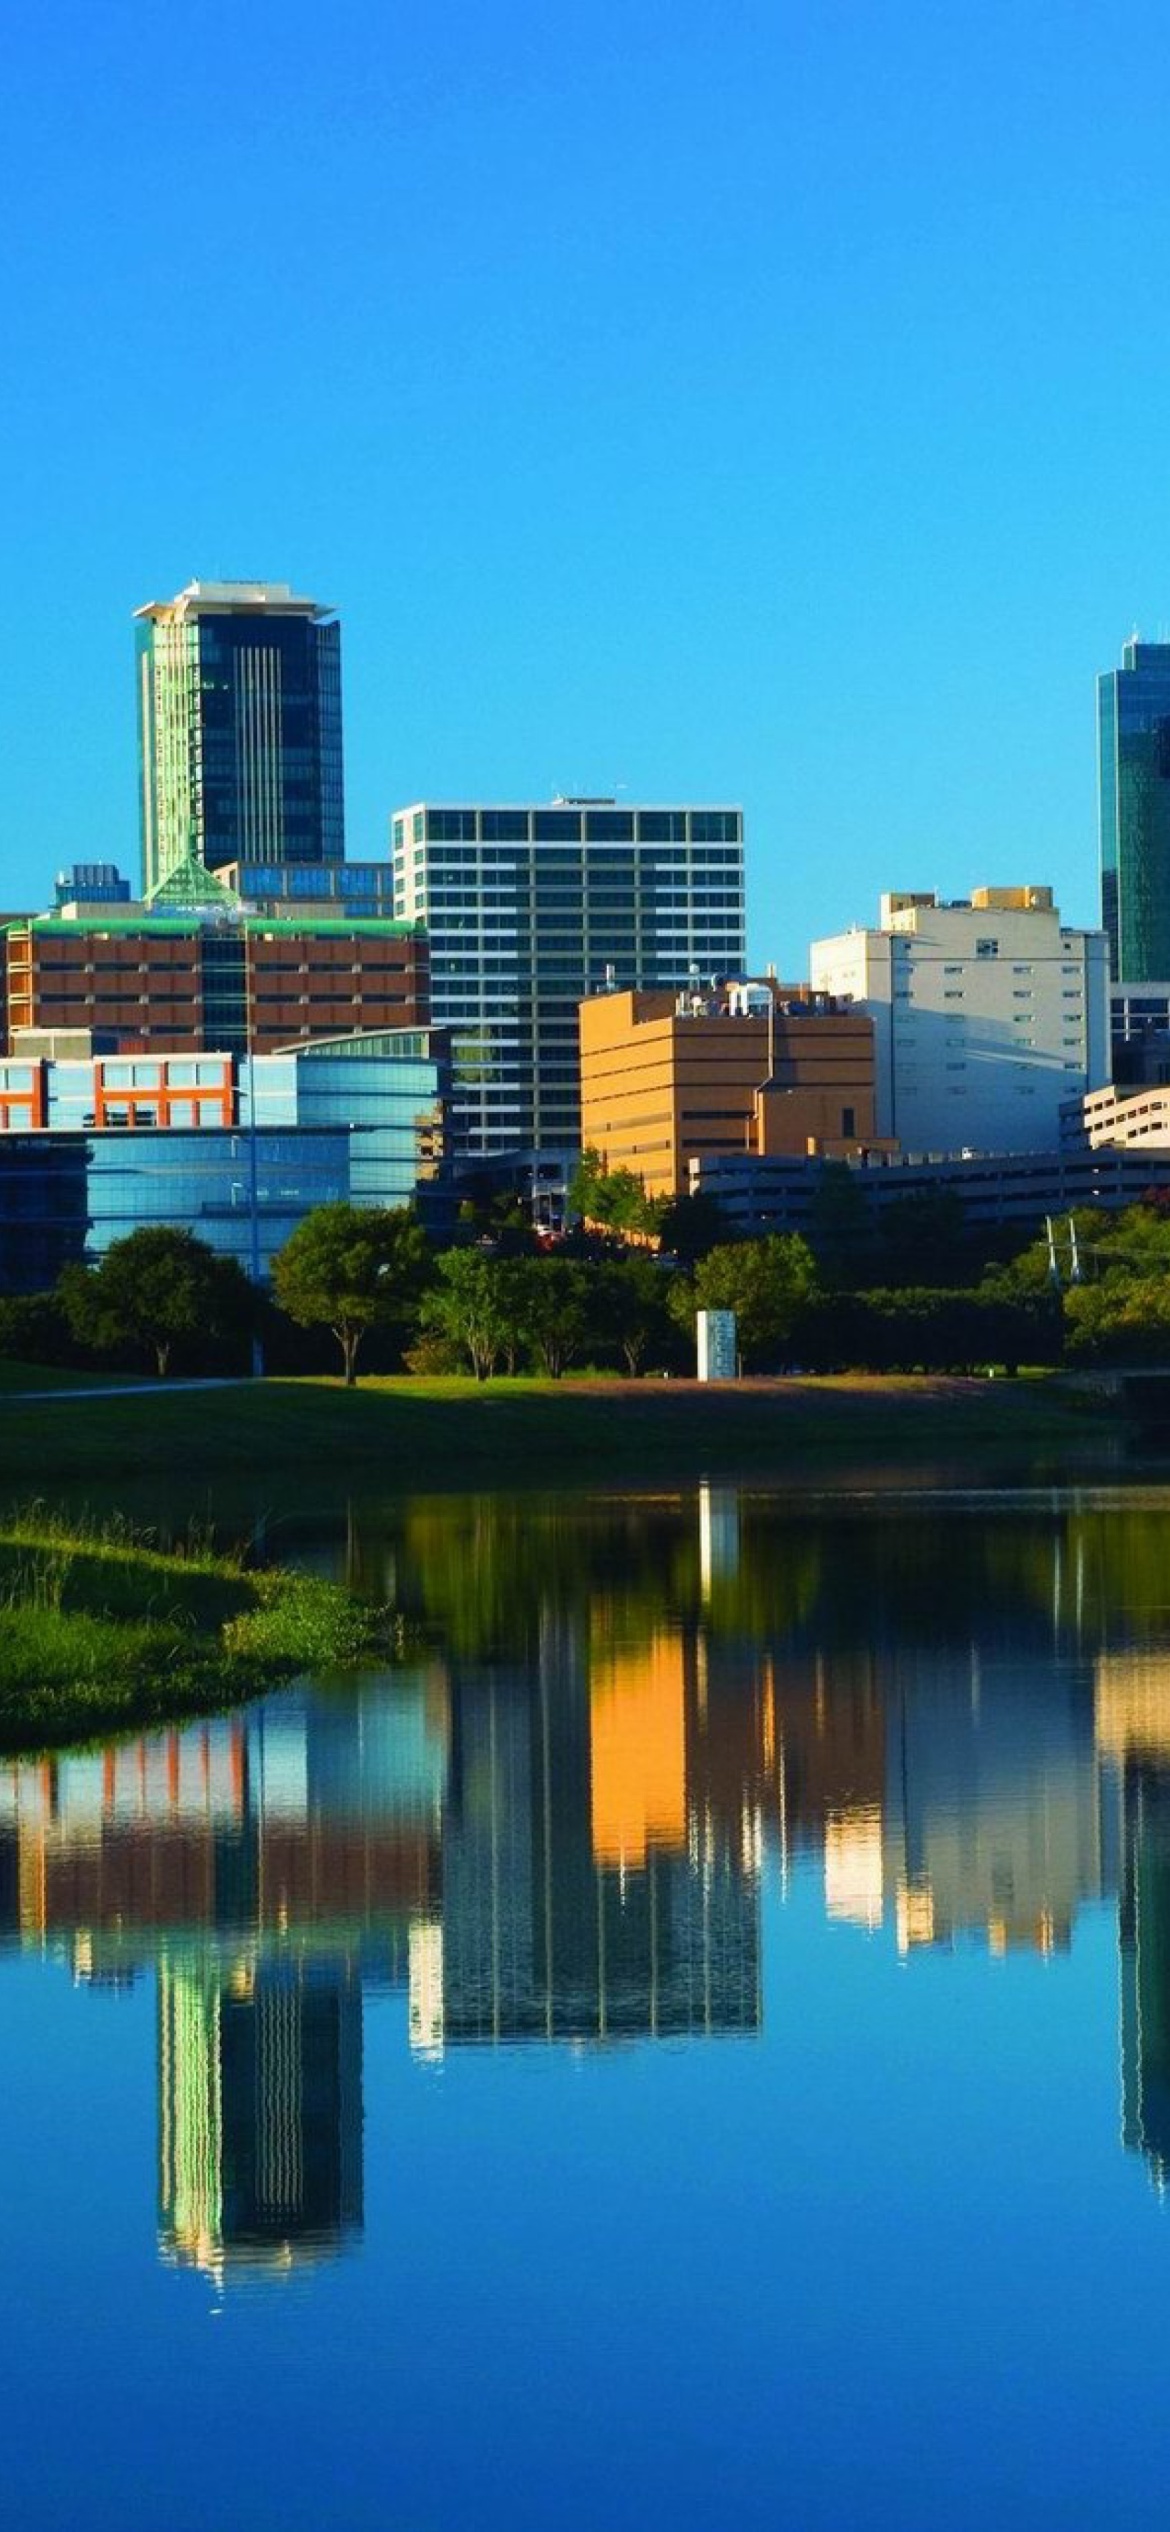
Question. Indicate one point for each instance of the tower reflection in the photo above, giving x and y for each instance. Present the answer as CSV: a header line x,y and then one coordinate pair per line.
x,y
260,2110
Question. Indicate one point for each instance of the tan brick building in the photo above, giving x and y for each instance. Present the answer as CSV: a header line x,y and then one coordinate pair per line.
x,y
766,1068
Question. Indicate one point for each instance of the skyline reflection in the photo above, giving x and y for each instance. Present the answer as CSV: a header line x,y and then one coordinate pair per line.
x,y
554,1824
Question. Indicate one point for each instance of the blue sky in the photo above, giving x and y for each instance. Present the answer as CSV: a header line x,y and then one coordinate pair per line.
x,y
761,401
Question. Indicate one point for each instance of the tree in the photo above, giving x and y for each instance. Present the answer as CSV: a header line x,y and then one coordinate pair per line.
x,y
922,1239
154,1289
764,1282
554,1297
474,1305
841,1228
691,1226
350,1270
613,1198
628,1306
497,1216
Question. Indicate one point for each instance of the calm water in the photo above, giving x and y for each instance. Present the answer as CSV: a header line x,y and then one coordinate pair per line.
x,y
689,2044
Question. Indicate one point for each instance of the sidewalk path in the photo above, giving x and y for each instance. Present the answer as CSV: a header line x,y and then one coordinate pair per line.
x,y
126,1389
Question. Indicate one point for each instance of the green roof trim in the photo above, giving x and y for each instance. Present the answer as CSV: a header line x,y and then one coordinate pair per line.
x,y
374,927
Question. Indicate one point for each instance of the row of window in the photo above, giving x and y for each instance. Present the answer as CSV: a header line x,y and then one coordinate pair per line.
x,y
594,826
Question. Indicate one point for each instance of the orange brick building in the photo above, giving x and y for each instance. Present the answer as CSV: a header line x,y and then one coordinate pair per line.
x,y
765,1068
147,981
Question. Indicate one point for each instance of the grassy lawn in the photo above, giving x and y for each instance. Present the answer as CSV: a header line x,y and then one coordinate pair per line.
x,y
100,1629
401,1435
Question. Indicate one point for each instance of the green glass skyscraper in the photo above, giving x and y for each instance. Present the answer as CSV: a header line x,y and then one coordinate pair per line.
x,y
1133,726
239,727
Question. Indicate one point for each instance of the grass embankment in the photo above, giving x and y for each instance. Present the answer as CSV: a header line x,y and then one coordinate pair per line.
x,y
402,1435
101,1629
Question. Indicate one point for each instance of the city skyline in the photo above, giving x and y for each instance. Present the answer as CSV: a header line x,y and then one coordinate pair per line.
x,y
266,870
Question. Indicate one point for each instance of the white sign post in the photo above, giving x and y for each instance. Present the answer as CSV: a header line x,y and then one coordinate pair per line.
x,y
715,1335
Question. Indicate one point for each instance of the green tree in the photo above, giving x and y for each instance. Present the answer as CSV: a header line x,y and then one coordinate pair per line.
x,y
629,1310
765,1282
554,1297
922,1239
153,1290
615,1198
498,1215
473,1305
690,1226
841,1228
628,1306
350,1270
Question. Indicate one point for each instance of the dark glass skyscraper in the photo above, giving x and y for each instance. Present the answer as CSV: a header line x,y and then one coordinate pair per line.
x,y
239,725
1133,724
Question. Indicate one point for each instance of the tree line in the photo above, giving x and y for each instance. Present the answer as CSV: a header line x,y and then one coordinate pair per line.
x,y
914,1289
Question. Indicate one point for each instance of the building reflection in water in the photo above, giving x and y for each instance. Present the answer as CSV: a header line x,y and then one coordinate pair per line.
x,y
1133,1721
554,1828
267,1868
583,1896
260,2110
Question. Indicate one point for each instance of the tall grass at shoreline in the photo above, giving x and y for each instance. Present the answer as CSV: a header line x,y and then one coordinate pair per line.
x,y
100,1627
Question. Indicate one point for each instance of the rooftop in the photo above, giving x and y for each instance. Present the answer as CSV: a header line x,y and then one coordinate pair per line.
x,y
232,597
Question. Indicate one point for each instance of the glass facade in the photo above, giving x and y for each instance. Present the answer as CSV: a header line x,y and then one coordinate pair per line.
x,y
358,1120
239,712
66,1197
1133,722
359,888
43,1208
210,1181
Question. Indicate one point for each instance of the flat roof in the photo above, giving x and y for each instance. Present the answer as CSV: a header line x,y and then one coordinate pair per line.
x,y
233,597
521,808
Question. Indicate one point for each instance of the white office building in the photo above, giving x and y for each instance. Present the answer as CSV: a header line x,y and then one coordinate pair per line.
x,y
531,908
989,1014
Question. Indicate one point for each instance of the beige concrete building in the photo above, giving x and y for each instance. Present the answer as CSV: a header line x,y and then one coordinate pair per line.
x,y
1123,1117
765,1068
989,1014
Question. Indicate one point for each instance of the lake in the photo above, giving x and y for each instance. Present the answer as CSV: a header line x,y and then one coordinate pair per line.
x,y
688,2042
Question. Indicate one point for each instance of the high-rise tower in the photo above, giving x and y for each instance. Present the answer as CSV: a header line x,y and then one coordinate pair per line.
x,y
1133,730
529,909
239,724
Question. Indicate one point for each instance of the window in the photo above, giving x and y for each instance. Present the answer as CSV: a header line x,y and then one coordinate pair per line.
x,y
450,826
987,949
714,826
